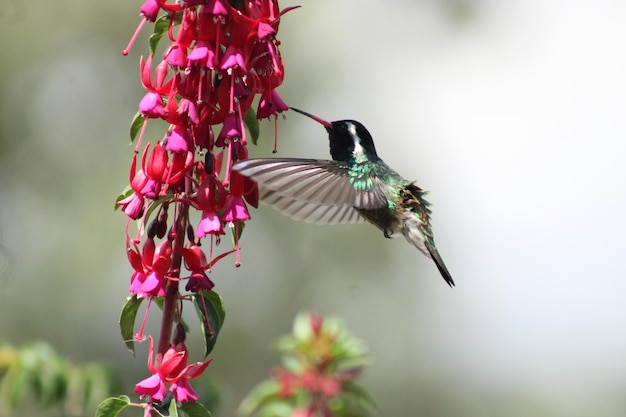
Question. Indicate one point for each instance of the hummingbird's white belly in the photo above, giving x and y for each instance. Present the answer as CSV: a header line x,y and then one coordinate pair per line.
x,y
412,231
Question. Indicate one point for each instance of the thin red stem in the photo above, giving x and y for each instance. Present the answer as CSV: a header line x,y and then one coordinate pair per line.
x,y
171,288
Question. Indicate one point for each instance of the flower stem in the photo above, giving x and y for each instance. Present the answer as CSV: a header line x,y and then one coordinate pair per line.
x,y
171,288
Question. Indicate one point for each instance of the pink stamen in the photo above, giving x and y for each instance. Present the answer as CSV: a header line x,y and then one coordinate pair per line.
x,y
232,91
275,135
238,252
126,50
242,128
141,134
139,336
229,159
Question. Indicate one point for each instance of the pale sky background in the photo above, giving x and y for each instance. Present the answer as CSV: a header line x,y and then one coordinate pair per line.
x,y
511,113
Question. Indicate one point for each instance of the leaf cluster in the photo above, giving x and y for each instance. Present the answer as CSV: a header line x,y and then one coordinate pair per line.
x,y
34,378
317,348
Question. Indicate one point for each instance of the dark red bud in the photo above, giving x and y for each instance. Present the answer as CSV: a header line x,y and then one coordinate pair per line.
x,y
179,334
209,163
153,228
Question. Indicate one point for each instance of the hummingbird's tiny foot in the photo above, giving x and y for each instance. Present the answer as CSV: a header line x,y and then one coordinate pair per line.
x,y
388,234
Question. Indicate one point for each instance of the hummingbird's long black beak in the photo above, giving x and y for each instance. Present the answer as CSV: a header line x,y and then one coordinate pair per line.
x,y
323,122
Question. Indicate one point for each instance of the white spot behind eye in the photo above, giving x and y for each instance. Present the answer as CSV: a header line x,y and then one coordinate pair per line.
x,y
352,129
357,140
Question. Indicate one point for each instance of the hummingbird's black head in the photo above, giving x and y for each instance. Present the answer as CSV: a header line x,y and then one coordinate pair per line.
x,y
349,139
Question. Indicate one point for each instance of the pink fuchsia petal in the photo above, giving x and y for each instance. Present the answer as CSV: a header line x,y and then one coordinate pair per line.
x,y
231,129
150,10
136,282
150,189
209,224
132,206
215,8
188,107
154,387
264,30
178,140
203,53
139,181
176,56
233,58
270,104
235,209
151,105
153,285
199,51
183,391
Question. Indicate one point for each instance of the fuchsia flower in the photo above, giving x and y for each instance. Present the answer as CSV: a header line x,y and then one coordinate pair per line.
x,y
271,104
172,369
234,207
151,268
210,197
195,261
210,224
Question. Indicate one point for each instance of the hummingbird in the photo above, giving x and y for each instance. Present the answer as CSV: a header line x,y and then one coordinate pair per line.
x,y
356,186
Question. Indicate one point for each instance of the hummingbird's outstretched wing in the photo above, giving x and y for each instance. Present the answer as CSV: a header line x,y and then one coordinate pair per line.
x,y
311,190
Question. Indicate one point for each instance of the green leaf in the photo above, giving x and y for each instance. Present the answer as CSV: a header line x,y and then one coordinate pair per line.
x,y
160,27
195,409
173,410
112,406
127,321
135,125
210,309
358,399
252,123
126,192
277,408
96,382
262,395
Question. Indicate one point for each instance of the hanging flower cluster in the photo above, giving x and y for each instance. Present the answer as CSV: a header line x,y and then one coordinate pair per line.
x,y
221,61
221,57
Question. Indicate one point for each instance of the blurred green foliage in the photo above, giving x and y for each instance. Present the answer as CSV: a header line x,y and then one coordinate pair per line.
x,y
35,380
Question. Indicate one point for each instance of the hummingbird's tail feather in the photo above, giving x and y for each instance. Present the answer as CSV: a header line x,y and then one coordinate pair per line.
x,y
434,254
414,234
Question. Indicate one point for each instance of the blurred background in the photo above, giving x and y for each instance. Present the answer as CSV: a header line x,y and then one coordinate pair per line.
x,y
511,112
